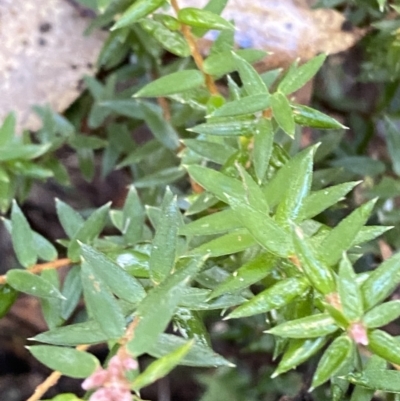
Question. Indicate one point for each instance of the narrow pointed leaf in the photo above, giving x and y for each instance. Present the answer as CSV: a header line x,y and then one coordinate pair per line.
x,y
101,304
215,152
246,105
138,10
298,77
70,362
133,217
263,142
214,223
44,248
236,241
157,309
163,251
381,282
309,117
275,297
382,380
298,352
24,281
90,229
162,130
203,19
384,345
251,272
263,228
349,291
22,237
341,238
173,83
308,327
383,314
120,282
318,201
251,80
298,188
161,367
7,130
333,359
70,220
237,127
283,113
198,355
319,274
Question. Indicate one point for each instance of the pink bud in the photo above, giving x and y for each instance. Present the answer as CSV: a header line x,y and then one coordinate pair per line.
x,y
96,379
358,333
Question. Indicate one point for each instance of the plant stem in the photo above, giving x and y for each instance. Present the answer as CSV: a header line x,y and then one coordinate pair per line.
x,y
194,50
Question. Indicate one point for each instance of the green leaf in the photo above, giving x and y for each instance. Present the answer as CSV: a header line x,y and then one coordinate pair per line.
x,y
349,291
223,63
22,237
215,182
283,113
44,248
163,250
393,143
362,393
383,314
161,367
70,220
277,187
21,151
369,233
51,307
319,274
250,273
72,291
236,241
384,380
7,130
263,142
101,304
80,333
133,217
161,129
228,127
198,355
263,228
7,297
309,117
203,19
138,10
90,229
275,297
298,352
118,280
381,282
169,40
307,327
299,76
157,309
251,80
360,165
318,201
215,152
70,362
173,83
24,281
298,188
341,238
214,223
384,345
333,359
162,177
246,105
